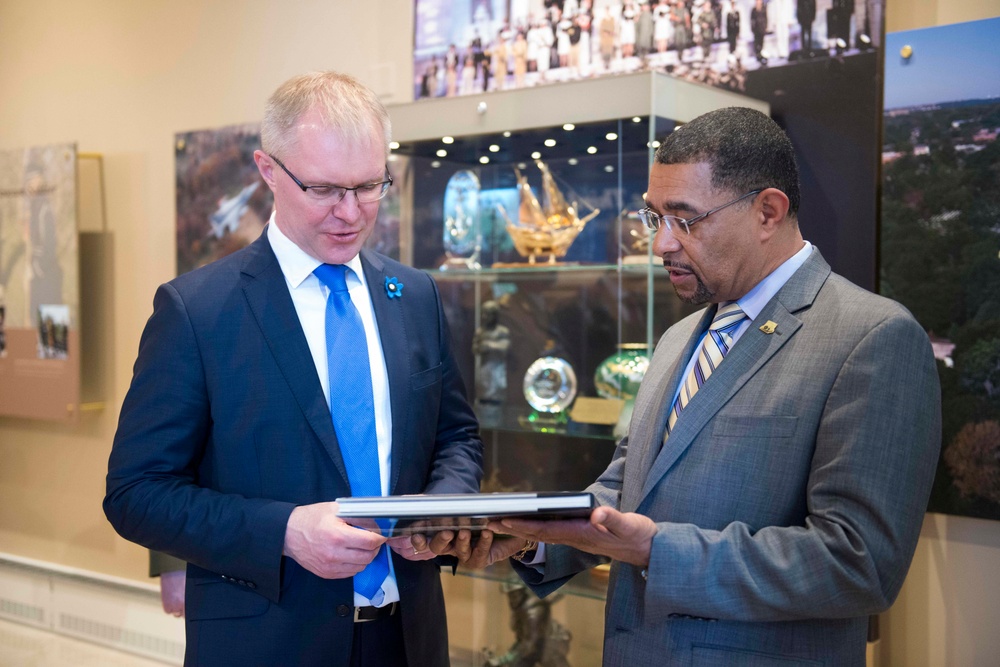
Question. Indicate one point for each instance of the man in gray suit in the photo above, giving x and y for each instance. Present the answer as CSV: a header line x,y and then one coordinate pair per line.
x,y
770,493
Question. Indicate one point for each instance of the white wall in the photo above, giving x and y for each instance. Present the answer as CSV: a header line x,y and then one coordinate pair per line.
x,y
120,77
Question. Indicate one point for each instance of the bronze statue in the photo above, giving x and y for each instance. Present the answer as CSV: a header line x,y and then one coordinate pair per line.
x,y
490,344
539,640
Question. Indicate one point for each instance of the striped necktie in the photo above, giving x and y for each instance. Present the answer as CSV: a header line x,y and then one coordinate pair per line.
x,y
714,347
352,407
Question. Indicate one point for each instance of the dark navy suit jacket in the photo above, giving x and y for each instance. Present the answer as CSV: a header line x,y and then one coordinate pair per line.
x,y
225,430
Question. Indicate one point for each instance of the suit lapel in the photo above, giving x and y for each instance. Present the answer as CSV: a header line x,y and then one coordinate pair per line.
x,y
748,356
271,304
652,406
395,346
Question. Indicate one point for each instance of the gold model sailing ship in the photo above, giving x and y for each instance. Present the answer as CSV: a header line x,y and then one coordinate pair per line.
x,y
544,231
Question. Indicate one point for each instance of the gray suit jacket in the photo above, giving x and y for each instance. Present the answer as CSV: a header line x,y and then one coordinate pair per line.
x,y
789,496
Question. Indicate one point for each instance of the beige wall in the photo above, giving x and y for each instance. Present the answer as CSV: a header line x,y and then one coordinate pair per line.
x,y
121,77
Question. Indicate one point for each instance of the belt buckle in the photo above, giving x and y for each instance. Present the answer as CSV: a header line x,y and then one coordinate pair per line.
x,y
388,610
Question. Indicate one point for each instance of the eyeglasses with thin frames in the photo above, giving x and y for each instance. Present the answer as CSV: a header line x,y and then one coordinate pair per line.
x,y
652,220
334,194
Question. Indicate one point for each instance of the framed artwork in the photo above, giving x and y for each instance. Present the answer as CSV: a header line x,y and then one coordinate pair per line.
x,y
940,236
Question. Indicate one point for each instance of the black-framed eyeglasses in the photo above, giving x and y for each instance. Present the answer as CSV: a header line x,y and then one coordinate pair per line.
x,y
334,194
653,220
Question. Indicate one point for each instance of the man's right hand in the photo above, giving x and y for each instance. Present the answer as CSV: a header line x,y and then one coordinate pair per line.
x,y
474,551
326,545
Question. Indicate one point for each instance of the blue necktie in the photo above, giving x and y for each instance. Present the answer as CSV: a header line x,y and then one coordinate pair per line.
x,y
353,408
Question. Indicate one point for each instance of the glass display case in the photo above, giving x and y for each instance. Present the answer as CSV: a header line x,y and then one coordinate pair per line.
x,y
521,204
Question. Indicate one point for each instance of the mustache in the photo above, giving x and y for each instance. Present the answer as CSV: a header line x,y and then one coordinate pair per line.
x,y
677,265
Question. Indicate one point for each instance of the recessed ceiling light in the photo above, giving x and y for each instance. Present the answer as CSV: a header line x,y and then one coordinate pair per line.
x,y
609,168
393,145
550,142
569,127
636,119
435,164
484,159
494,148
536,155
610,136
506,134
521,165
447,140
573,161
592,149
442,152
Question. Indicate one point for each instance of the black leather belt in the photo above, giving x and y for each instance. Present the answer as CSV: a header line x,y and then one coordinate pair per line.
x,y
365,614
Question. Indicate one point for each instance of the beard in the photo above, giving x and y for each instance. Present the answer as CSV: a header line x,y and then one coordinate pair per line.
x,y
701,295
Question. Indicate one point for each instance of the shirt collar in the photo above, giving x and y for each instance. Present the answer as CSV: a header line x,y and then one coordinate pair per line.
x,y
296,263
754,301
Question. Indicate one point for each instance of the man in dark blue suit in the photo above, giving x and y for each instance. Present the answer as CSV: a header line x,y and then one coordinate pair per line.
x,y
229,454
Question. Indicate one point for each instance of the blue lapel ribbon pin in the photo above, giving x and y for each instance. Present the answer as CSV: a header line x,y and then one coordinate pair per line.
x,y
393,288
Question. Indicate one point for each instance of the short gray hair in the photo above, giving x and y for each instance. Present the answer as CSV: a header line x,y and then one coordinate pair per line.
x,y
344,102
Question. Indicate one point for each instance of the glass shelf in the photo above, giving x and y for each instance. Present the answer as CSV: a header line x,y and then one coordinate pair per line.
x,y
592,584
510,419
531,270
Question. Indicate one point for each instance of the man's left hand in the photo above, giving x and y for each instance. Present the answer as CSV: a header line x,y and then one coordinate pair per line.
x,y
172,591
623,537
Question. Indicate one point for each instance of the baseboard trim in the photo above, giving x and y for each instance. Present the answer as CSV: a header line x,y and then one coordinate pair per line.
x,y
99,608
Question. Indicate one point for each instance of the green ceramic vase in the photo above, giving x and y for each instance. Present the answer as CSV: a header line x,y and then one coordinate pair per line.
x,y
619,375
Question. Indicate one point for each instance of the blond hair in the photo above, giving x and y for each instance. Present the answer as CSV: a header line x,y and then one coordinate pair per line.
x,y
344,103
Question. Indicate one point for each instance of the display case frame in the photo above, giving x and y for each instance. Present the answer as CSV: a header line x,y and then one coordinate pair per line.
x,y
600,297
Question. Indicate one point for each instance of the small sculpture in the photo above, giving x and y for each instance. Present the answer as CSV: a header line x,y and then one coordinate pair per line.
x,y
461,235
490,345
539,640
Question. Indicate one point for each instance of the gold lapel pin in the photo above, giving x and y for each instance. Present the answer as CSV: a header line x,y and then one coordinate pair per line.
x,y
769,327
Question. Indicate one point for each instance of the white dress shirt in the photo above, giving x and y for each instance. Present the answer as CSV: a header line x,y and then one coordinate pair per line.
x,y
309,297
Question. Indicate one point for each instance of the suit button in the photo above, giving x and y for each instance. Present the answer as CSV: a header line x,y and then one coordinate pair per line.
x,y
251,585
343,610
